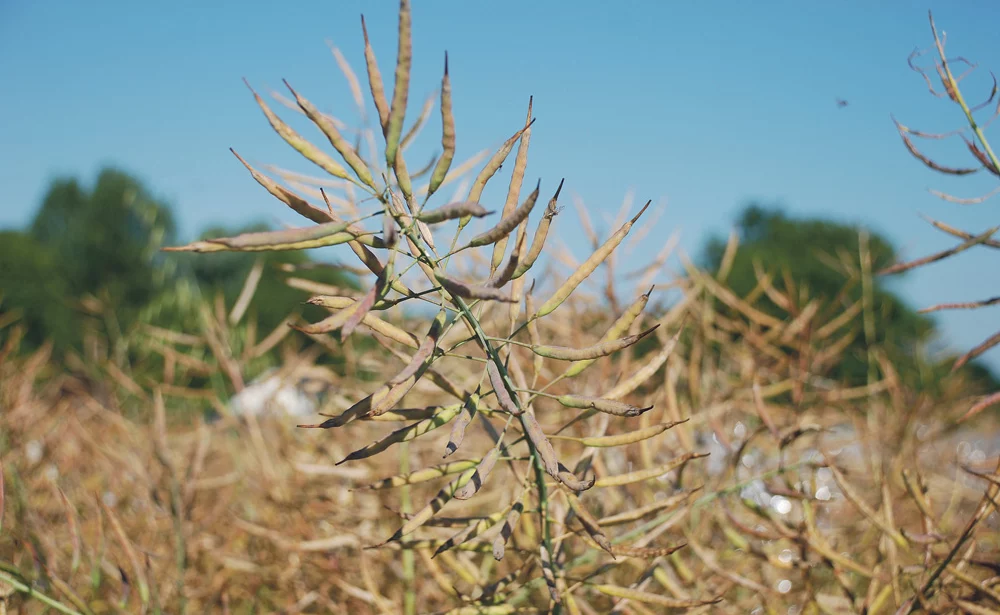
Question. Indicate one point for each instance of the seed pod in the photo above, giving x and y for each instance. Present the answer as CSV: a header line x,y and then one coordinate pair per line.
x,y
617,329
458,209
294,201
646,372
500,542
503,396
447,134
424,514
482,472
588,266
571,481
507,224
468,291
410,432
608,406
326,234
648,473
514,188
629,437
333,135
424,352
589,523
307,149
472,530
540,235
596,351
493,164
507,273
639,513
423,475
545,451
401,89
373,322
375,81
390,235
651,598
461,423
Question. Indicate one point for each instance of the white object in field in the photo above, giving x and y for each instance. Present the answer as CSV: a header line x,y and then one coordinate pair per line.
x,y
272,394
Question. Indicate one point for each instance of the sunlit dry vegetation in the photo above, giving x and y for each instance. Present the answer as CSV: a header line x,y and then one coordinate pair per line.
x,y
534,432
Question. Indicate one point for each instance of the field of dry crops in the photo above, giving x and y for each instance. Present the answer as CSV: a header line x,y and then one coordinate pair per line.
x,y
578,444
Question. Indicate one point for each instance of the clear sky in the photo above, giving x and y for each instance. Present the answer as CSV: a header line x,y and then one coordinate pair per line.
x,y
696,105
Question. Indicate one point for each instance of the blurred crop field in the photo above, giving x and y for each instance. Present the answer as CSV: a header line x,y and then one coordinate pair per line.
x,y
471,418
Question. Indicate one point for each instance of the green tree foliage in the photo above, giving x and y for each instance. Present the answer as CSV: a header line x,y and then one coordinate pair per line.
x,y
107,240
821,258
32,287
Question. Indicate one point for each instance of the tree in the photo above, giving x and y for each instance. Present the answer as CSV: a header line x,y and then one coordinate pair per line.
x,y
107,240
31,285
822,258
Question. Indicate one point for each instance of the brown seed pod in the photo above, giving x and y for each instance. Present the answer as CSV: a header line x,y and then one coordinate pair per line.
x,y
458,209
608,406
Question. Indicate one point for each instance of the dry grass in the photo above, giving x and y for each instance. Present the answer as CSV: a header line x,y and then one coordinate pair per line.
x,y
608,460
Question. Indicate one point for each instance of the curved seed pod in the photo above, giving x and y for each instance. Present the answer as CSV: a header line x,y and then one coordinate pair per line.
x,y
646,372
410,432
589,523
588,266
365,305
469,291
307,149
506,224
447,134
500,542
494,164
390,234
424,514
545,451
327,325
514,188
503,395
629,437
326,234
507,273
423,475
651,598
403,414
294,201
482,472
372,322
424,352
461,423
608,406
616,330
639,513
375,81
458,209
538,242
333,135
472,531
596,351
571,481
648,473
538,361
401,89
646,552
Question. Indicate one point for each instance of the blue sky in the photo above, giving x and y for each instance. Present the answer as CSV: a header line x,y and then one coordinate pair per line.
x,y
698,105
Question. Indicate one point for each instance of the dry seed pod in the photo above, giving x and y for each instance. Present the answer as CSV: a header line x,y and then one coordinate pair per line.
x,y
493,164
596,351
570,480
401,89
338,142
390,235
503,396
651,598
294,201
540,235
458,209
410,432
617,329
364,305
471,531
588,266
423,475
507,224
372,322
507,273
589,523
545,451
500,542
447,134
639,513
514,188
307,149
629,437
375,80
424,352
432,507
608,406
321,235
648,473
461,423
647,371
482,472
468,291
